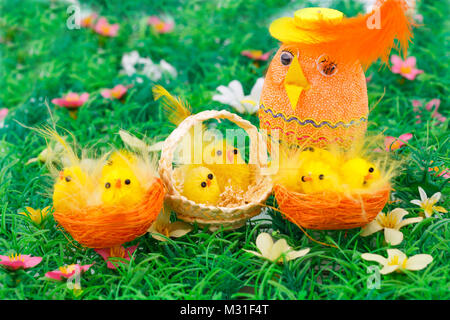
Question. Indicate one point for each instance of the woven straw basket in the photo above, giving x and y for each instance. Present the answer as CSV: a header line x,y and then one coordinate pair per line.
x,y
332,211
213,216
104,226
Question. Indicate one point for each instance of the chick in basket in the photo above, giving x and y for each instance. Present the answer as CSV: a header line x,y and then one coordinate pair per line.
x,y
359,173
318,176
200,185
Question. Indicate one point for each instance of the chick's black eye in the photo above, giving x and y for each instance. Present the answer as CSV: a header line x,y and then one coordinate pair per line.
x,y
235,151
210,176
203,184
371,170
127,181
219,152
68,178
321,177
286,58
107,185
303,179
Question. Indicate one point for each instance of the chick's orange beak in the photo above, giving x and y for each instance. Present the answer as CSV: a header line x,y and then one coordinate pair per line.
x,y
307,178
368,176
118,184
230,156
295,82
208,182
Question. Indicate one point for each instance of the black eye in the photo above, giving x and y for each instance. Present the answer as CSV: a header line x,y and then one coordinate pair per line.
x,y
303,178
286,58
127,181
210,176
109,163
68,178
203,184
107,185
371,170
235,151
310,149
321,177
326,66
219,152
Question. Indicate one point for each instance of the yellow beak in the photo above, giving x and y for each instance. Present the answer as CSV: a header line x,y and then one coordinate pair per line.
x,y
295,82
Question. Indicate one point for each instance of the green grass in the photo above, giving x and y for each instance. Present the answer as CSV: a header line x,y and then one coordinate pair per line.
x,y
41,59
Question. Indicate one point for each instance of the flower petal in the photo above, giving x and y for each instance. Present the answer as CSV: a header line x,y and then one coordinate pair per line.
x,y
291,255
371,228
405,222
392,236
418,262
374,257
398,213
30,262
179,229
389,269
264,243
278,248
254,253
416,202
395,252
423,195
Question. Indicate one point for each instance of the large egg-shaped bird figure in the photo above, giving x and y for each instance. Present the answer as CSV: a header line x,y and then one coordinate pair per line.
x,y
315,88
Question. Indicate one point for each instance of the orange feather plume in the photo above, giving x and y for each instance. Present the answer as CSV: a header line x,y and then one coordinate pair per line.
x,y
366,38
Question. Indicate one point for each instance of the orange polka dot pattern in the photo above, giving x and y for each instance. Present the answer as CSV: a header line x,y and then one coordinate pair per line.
x,y
333,109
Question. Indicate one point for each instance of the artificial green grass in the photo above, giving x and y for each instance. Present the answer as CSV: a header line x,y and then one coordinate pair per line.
x,y
41,59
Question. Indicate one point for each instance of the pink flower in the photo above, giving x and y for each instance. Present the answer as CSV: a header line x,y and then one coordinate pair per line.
x,y
18,261
88,21
417,105
115,252
159,25
67,271
405,68
393,143
3,114
256,54
103,28
71,100
115,93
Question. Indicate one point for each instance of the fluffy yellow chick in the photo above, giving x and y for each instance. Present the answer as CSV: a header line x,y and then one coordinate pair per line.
x,y
228,164
200,185
120,186
289,162
314,153
359,173
70,188
120,158
318,176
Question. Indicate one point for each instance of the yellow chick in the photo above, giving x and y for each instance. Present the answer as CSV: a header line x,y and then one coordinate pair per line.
x,y
200,185
318,176
120,158
70,188
288,167
359,173
120,186
314,153
228,164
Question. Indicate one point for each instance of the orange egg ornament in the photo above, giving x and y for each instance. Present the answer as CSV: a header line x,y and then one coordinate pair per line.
x,y
315,89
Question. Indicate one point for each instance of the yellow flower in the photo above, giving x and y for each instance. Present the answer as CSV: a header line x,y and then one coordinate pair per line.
x,y
428,204
391,224
398,261
36,215
275,251
163,226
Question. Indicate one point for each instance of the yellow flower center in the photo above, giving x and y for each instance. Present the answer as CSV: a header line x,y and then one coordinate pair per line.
x,y
249,101
160,26
116,93
67,269
428,205
256,53
388,220
117,252
396,261
72,97
405,70
16,257
105,28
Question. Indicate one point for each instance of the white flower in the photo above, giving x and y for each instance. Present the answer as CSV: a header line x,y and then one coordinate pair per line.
x,y
428,204
275,251
398,261
233,95
133,63
391,223
163,226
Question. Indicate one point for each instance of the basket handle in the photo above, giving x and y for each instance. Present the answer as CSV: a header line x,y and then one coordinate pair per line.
x,y
258,148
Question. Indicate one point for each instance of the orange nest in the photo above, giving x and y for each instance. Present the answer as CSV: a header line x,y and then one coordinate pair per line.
x,y
330,211
103,226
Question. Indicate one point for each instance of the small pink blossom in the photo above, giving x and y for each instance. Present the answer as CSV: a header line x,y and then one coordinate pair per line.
x,y
67,271
116,252
393,143
159,25
71,100
256,55
432,105
103,28
3,113
19,261
405,68
444,173
115,93
88,21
